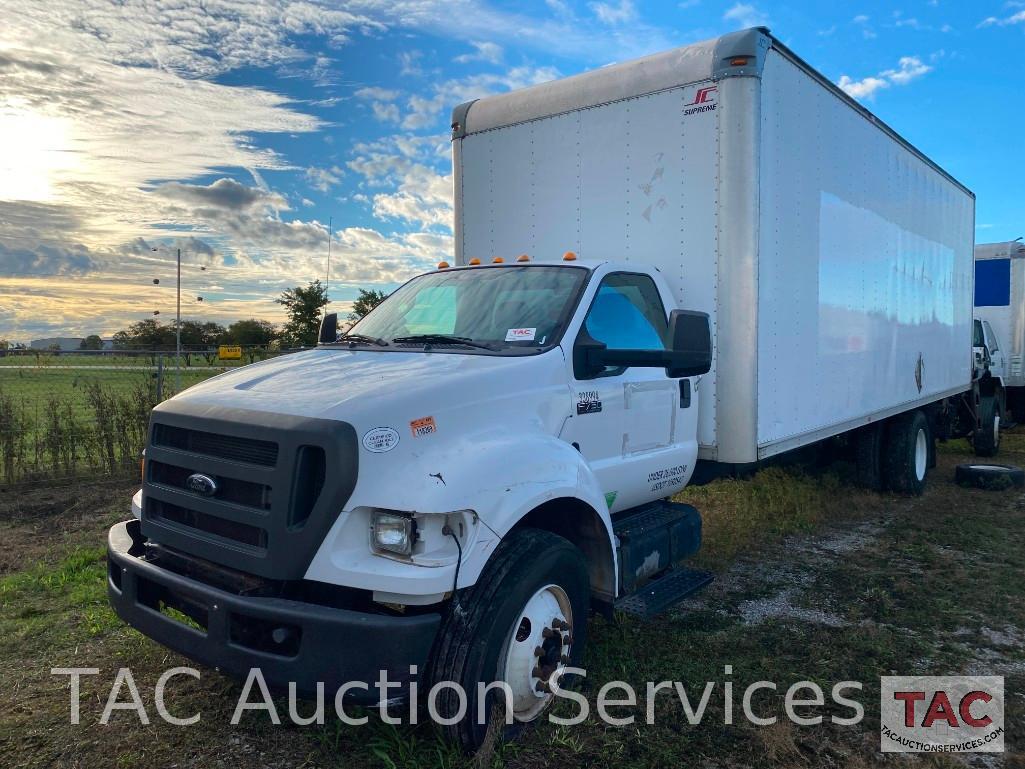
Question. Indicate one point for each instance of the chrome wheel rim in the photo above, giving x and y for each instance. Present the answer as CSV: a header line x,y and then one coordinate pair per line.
x,y
538,650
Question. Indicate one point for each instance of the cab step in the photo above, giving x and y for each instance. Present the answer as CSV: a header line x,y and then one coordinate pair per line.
x,y
666,591
653,538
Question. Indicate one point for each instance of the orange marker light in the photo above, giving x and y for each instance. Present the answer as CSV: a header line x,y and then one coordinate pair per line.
x,y
498,260
475,260
442,265
738,61
522,258
569,256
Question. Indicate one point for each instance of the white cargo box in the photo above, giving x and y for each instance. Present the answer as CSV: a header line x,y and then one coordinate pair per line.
x,y
834,259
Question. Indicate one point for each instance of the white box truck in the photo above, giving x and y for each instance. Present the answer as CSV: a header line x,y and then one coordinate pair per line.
x,y
703,258
1000,320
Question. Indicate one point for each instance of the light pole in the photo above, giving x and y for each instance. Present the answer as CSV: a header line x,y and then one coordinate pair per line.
x,y
178,323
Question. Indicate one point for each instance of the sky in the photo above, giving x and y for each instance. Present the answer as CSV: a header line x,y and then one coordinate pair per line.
x,y
245,132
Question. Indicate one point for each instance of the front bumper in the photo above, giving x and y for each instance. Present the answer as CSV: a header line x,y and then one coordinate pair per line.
x,y
321,643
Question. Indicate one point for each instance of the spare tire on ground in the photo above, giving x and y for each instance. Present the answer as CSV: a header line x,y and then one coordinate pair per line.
x,y
987,476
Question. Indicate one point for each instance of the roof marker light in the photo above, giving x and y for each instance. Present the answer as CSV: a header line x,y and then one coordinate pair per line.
x,y
474,261
522,258
443,265
739,61
498,260
569,256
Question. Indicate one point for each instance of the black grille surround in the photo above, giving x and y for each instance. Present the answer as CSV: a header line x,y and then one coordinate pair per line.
x,y
264,519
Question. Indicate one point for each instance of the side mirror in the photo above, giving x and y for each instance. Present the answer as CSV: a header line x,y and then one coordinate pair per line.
x,y
691,339
329,329
690,354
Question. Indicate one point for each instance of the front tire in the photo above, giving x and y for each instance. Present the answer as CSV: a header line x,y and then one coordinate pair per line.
x,y
523,622
906,453
986,439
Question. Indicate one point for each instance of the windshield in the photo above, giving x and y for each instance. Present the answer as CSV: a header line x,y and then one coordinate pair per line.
x,y
515,308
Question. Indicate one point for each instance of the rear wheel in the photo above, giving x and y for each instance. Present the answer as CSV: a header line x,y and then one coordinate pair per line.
x,y
523,623
868,444
906,451
986,438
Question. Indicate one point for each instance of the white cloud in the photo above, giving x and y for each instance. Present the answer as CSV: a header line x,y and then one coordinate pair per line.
x,y
1014,18
430,110
484,51
323,179
746,15
615,13
909,68
385,112
376,93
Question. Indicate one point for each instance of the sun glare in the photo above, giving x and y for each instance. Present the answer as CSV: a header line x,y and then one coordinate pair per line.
x,y
34,149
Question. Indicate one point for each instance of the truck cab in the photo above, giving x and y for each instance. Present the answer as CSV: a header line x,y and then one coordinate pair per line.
x,y
988,355
472,465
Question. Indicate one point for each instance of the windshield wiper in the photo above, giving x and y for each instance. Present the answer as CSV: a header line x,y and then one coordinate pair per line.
x,y
429,339
362,338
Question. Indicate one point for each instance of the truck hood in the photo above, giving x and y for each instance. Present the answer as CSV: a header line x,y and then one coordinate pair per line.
x,y
350,384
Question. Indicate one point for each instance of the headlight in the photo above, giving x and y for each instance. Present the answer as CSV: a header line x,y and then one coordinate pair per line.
x,y
395,533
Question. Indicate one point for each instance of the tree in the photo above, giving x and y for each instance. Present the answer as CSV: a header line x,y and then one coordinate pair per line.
x,y
367,300
198,334
91,342
146,334
303,306
251,332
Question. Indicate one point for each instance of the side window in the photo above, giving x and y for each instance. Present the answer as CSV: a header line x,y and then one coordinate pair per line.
x,y
977,340
627,314
991,336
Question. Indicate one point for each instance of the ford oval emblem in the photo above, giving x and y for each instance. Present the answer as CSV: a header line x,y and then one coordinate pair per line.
x,y
201,484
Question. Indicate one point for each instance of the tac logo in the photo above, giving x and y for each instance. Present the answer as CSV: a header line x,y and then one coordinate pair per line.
x,y
703,95
949,714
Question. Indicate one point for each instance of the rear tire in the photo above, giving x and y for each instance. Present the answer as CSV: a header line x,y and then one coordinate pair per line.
x,y
906,450
534,584
868,449
986,439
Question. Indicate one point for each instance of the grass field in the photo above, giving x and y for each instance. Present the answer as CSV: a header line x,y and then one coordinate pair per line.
x,y
73,415
815,580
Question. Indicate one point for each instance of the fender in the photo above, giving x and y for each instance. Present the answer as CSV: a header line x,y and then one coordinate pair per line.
x,y
537,468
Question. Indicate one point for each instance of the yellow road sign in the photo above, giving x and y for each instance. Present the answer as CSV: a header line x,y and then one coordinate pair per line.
x,y
229,352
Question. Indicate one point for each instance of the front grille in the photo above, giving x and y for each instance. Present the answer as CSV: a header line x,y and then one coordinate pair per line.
x,y
252,451
235,531
280,481
239,492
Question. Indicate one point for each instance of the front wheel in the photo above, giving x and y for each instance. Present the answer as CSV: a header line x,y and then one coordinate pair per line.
x,y
523,623
986,439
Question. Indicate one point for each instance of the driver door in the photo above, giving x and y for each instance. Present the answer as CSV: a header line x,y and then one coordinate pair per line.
x,y
631,424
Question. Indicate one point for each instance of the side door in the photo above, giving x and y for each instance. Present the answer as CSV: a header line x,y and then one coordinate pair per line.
x,y
995,353
635,426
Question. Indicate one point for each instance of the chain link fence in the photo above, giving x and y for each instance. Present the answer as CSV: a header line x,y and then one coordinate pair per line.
x,y
67,415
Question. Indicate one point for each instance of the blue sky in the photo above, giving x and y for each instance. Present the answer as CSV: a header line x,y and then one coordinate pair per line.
x,y
238,129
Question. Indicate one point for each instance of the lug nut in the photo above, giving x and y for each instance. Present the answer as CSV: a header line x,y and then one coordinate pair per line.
x,y
560,624
538,651
536,672
564,659
568,640
542,686
549,633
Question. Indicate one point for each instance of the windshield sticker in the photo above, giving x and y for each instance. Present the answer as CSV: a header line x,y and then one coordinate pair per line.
x,y
588,402
520,334
380,439
423,426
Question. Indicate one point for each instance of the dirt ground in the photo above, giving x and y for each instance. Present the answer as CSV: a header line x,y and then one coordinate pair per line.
x,y
816,580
